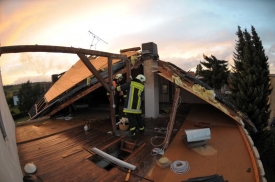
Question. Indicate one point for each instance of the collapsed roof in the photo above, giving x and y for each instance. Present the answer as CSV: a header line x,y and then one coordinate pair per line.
x,y
195,86
72,84
78,81
75,83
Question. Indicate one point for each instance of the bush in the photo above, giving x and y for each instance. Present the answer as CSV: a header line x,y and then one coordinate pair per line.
x,y
19,115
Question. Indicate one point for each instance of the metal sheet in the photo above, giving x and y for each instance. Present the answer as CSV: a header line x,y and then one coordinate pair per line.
x,y
198,134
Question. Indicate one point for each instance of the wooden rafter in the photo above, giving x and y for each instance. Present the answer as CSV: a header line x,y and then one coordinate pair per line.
x,y
90,66
86,91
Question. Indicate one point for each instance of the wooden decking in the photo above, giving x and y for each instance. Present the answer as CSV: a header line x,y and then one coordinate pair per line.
x,y
65,156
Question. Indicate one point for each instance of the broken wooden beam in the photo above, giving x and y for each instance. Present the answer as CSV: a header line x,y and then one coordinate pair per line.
x,y
130,49
172,118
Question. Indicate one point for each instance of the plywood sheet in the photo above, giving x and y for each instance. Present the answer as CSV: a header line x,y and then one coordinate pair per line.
x,y
225,153
76,74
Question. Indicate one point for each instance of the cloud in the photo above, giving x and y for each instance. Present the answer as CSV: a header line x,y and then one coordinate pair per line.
x,y
37,78
183,30
34,66
271,58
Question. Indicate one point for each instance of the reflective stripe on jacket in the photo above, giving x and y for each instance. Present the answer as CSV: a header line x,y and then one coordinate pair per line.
x,y
134,93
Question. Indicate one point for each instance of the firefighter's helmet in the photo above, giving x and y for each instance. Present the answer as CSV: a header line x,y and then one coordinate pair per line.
x,y
119,76
141,78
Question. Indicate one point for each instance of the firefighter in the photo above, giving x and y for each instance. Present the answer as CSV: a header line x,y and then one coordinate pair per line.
x,y
117,95
132,105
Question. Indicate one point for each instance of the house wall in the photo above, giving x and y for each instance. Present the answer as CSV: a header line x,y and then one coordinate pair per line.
x,y
151,93
15,100
187,97
164,96
10,169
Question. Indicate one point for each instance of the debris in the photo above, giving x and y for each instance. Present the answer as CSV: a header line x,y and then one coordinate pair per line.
x,y
180,167
128,175
157,151
68,118
203,125
178,81
87,126
163,162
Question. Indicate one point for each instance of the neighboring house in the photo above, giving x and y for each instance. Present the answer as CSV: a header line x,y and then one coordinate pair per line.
x,y
15,98
10,169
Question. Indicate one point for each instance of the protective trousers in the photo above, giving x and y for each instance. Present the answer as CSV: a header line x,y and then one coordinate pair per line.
x,y
135,121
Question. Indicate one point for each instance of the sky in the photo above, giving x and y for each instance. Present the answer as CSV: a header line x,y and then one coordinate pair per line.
x,y
183,30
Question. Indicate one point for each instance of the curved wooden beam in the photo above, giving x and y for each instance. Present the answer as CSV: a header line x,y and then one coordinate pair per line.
x,y
57,49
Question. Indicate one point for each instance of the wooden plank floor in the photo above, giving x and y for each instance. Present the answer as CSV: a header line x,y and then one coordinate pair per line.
x,y
46,153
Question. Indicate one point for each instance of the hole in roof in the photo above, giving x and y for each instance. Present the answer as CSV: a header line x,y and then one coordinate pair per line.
x,y
120,150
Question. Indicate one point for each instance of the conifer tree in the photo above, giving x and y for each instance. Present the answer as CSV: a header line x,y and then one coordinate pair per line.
x,y
252,88
251,81
198,69
216,74
237,67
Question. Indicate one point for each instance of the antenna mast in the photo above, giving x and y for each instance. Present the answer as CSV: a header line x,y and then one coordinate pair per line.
x,y
96,39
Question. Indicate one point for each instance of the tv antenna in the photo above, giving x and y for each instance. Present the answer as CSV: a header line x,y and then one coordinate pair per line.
x,y
96,39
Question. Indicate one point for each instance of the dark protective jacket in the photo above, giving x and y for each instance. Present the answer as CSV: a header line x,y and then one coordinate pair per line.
x,y
134,90
117,94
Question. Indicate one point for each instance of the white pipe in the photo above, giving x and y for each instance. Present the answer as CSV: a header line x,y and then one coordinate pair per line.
x,y
113,159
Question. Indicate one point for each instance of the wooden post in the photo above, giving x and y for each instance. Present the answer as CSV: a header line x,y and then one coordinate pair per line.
x,y
112,101
172,118
128,70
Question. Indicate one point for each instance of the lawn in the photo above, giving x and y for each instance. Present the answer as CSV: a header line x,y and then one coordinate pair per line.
x,y
14,110
22,119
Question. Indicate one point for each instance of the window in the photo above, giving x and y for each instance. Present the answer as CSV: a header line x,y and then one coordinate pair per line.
x,y
164,89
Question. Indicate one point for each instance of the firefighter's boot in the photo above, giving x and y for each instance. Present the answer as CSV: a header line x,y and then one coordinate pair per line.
x,y
133,133
141,130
